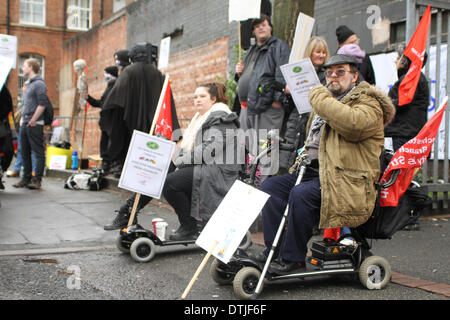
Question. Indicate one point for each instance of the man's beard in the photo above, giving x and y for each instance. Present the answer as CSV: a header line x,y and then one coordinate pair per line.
x,y
336,89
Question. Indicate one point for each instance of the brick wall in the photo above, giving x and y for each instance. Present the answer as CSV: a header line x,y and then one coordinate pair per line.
x,y
96,47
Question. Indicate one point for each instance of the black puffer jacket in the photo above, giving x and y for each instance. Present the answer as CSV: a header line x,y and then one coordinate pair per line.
x,y
273,54
410,118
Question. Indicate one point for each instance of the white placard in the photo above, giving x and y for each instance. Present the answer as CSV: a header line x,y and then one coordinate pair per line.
x,y
302,35
147,163
241,10
164,53
5,68
8,48
230,222
58,162
300,76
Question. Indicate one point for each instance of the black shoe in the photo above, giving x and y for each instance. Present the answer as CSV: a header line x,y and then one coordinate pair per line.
x,y
120,221
184,233
286,267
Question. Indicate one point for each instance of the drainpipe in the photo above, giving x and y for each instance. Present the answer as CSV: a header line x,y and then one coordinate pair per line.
x,y
101,9
8,16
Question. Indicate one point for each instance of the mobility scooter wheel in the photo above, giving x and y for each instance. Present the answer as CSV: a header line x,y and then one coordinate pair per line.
x,y
220,277
375,272
246,241
120,246
142,249
245,282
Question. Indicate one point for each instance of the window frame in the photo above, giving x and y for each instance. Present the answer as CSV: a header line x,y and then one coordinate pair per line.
x,y
44,12
79,9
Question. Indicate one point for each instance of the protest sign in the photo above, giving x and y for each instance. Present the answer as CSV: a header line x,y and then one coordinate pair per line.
x,y
147,163
228,225
8,48
164,53
230,222
303,31
300,76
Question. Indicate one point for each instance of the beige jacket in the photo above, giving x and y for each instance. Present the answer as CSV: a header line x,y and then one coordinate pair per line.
x,y
349,152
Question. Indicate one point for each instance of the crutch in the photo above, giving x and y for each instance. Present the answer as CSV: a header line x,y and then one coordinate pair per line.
x,y
303,162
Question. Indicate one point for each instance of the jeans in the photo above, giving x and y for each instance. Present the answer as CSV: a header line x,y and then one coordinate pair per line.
x,y
19,162
304,212
32,142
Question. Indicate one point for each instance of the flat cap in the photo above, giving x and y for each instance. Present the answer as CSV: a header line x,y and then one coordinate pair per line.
x,y
340,59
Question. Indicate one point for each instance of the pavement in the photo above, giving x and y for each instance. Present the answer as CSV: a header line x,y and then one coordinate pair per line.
x,y
62,227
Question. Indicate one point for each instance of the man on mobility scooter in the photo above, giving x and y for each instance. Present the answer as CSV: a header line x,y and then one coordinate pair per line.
x,y
345,140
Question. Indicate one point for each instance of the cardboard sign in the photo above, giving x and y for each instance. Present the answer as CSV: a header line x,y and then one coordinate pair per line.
x,y
303,32
147,163
8,48
300,76
164,53
230,222
5,68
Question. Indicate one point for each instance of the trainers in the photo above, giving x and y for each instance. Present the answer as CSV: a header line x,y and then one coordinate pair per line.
x,y
120,221
34,184
412,227
12,174
21,184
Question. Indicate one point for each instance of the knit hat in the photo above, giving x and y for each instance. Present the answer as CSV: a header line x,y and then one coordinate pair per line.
x,y
112,70
352,50
343,33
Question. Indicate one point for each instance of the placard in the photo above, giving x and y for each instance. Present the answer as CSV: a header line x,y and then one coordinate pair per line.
x,y
232,219
300,76
5,68
239,10
58,162
164,53
8,48
302,35
147,163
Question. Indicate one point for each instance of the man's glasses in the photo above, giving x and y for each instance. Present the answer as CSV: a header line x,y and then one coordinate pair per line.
x,y
338,72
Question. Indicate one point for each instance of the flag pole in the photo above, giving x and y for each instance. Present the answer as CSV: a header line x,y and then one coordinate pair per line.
x,y
155,118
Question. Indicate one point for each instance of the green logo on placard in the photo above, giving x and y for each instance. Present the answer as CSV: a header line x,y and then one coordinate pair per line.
x,y
297,69
5,39
153,145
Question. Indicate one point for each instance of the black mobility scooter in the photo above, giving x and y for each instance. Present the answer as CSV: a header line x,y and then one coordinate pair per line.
x,y
248,275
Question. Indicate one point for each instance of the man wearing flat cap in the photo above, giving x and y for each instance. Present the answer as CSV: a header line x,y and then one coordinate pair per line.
x,y
344,144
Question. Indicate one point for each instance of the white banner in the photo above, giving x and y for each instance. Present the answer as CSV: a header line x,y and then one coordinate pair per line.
x,y
147,163
241,10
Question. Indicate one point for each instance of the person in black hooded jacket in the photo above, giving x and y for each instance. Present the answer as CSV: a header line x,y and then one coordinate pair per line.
x,y
111,74
410,118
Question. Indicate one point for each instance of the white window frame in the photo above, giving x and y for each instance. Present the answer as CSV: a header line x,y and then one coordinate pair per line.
x,y
32,2
76,10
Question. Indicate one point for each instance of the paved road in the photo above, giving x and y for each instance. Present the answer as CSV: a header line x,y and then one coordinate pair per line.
x,y
53,246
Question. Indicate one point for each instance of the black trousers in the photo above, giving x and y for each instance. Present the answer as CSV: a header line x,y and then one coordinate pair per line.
x,y
177,191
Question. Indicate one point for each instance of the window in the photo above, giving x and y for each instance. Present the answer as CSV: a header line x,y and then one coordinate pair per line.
x,y
32,12
79,14
118,4
22,58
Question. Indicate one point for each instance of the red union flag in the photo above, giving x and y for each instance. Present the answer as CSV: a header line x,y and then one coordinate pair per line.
x,y
411,155
163,124
415,51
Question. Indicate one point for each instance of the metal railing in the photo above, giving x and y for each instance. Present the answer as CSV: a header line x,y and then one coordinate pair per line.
x,y
435,171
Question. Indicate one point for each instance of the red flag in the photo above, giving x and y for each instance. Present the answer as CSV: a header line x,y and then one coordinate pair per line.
x,y
411,155
163,124
415,51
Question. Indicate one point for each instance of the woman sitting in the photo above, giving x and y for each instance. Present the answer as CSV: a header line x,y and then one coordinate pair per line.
x,y
204,176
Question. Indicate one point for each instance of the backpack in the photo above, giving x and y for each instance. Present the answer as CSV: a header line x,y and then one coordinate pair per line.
x,y
48,113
